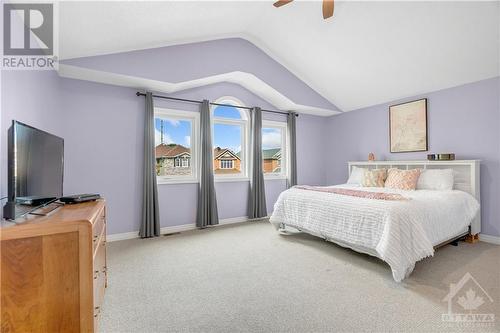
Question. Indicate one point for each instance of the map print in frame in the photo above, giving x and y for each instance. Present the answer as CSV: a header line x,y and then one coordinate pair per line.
x,y
408,126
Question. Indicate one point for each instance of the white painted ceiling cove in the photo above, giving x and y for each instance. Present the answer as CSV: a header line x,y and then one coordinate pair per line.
x,y
246,80
369,53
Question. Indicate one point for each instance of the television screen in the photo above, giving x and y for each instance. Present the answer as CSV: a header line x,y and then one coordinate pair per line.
x,y
36,163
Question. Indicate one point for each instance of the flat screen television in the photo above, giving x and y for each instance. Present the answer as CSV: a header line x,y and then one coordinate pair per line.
x,y
35,169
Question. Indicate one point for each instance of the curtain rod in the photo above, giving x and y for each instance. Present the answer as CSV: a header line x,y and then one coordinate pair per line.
x,y
218,104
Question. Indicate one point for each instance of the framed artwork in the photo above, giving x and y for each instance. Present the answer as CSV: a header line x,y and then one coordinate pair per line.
x,y
408,126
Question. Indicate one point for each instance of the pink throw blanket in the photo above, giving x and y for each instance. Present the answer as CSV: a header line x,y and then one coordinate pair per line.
x,y
354,193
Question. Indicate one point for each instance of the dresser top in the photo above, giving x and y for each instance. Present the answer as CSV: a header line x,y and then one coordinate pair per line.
x,y
67,216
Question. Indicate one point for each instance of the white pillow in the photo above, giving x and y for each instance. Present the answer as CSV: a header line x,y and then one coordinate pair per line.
x,y
436,179
356,177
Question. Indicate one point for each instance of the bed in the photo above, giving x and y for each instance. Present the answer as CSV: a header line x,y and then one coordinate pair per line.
x,y
400,232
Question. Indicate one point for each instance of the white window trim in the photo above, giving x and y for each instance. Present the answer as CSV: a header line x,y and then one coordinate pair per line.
x,y
284,151
245,139
194,117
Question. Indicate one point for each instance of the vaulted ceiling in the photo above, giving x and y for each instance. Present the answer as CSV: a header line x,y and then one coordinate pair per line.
x,y
368,53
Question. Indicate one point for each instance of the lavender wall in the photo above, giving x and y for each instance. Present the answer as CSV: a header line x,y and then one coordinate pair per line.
x,y
179,63
31,97
464,120
103,126
103,135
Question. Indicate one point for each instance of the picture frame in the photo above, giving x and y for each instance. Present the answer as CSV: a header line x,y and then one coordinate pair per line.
x,y
408,127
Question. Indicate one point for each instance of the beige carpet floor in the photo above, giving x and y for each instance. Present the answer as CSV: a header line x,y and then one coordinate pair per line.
x,y
249,278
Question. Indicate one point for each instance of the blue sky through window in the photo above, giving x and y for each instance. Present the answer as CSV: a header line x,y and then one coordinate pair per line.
x,y
174,131
227,112
271,138
227,136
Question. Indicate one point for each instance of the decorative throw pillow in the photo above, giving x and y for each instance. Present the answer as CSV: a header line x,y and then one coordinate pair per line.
x,y
374,178
402,179
356,177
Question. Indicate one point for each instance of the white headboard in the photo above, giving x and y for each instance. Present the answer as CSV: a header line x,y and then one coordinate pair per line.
x,y
467,176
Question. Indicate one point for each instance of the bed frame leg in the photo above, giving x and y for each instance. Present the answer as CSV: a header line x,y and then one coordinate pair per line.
x,y
472,238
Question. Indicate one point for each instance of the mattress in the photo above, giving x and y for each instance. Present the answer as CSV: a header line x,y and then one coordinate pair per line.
x,y
398,232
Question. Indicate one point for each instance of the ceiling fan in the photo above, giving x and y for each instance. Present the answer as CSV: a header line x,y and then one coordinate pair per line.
x,y
327,6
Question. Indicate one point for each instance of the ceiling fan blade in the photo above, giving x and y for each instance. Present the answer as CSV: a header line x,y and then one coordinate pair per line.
x,y
281,3
327,8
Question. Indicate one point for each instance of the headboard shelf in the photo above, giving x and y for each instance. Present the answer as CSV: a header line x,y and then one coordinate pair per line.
x,y
419,162
467,176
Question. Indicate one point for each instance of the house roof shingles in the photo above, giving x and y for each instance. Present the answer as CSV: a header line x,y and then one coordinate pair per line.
x,y
270,154
218,152
170,150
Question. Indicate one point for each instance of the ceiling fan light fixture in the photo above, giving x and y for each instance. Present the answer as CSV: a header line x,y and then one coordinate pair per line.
x,y
328,6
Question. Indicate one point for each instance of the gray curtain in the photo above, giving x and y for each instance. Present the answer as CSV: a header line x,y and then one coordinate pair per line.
x,y
257,198
207,201
292,136
150,224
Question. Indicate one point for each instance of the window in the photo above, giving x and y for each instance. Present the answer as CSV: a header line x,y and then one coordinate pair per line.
x,y
230,131
274,149
182,162
226,164
175,136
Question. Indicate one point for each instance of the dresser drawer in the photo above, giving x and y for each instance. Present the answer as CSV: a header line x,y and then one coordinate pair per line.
x,y
99,267
97,228
100,276
98,297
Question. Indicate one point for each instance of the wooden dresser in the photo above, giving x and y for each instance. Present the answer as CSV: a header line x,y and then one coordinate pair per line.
x,y
53,270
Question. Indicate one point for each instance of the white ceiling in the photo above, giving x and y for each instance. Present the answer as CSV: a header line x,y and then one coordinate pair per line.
x,y
369,53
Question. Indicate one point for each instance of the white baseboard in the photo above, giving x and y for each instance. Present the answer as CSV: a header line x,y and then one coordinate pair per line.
x,y
489,239
122,236
174,229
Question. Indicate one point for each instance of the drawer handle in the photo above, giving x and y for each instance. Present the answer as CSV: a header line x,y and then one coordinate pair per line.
x,y
97,310
105,269
95,238
96,275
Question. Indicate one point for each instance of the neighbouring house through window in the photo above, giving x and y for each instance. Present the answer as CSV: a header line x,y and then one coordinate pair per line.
x,y
177,135
230,137
274,148
175,145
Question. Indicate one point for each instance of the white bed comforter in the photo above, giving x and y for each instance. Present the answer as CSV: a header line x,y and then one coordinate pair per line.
x,y
398,232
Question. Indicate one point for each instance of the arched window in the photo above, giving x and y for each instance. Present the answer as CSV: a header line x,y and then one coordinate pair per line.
x,y
230,138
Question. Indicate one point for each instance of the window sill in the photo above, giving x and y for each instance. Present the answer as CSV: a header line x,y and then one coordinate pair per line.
x,y
231,179
271,177
176,181
216,180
